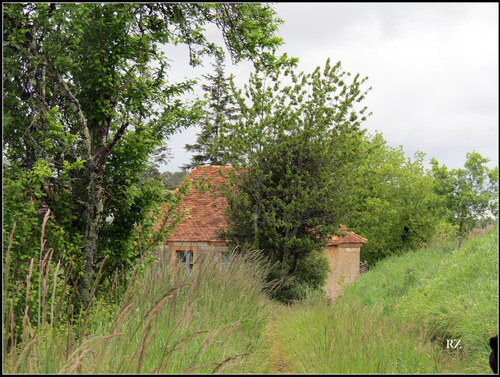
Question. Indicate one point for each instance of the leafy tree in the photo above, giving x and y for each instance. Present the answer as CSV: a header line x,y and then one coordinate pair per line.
x,y
168,179
173,180
87,101
469,194
296,143
220,109
391,200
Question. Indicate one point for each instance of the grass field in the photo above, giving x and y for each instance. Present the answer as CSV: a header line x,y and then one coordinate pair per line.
x,y
170,321
396,318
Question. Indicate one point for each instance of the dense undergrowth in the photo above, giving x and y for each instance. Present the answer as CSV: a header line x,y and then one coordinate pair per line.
x,y
396,318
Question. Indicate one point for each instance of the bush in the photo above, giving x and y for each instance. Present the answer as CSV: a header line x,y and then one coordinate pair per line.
x,y
309,277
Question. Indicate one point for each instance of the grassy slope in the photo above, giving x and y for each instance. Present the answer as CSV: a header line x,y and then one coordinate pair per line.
x,y
460,301
384,323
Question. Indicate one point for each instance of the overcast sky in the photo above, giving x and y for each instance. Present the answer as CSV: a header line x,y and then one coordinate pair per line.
x,y
433,69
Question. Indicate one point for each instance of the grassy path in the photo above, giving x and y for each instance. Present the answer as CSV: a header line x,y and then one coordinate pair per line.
x,y
396,319
348,339
278,362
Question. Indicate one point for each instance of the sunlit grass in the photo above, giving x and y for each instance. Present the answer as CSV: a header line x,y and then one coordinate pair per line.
x,y
348,337
460,301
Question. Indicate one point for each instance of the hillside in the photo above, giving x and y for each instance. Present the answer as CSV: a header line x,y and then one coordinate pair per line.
x,y
397,317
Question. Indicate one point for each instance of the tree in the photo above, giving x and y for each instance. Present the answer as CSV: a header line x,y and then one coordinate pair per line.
x,y
391,200
282,197
220,109
469,194
295,145
87,101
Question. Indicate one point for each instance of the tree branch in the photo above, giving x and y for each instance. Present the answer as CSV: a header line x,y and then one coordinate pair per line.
x,y
102,153
75,104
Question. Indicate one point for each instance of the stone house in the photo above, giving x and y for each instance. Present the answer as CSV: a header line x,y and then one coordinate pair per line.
x,y
196,235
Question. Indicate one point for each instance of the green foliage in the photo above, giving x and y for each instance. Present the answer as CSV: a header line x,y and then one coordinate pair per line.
x,y
313,269
219,110
308,278
469,195
87,104
172,180
392,278
34,248
459,300
446,293
392,203
209,320
169,180
348,337
279,102
297,143
382,324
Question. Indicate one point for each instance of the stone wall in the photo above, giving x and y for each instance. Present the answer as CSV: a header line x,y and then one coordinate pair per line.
x,y
344,265
343,259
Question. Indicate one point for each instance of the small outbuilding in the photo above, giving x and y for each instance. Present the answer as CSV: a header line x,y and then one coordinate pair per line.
x,y
196,236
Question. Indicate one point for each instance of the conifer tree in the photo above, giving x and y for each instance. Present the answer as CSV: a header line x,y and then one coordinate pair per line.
x,y
220,112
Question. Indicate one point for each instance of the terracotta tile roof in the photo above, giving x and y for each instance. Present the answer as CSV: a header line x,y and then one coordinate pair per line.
x,y
350,237
205,209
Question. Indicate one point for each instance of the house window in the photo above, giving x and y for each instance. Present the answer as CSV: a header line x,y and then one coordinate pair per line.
x,y
226,260
185,258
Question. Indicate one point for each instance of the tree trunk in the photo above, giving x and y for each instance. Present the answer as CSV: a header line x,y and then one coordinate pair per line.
x,y
95,208
461,232
256,243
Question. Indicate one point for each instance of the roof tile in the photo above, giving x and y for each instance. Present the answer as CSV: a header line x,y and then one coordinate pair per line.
x,y
206,209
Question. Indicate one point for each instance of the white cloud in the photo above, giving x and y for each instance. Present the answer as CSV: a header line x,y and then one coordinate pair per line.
x,y
433,69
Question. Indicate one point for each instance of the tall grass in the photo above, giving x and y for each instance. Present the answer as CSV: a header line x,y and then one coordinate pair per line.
x,y
394,319
393,277
451,294
397,317
208,320
48,282
460,301
350,338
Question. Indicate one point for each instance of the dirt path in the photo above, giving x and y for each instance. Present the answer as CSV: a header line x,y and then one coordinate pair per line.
x,y
278,361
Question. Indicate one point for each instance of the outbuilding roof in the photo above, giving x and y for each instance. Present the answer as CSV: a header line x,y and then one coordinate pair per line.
x,y
350,237
204,207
